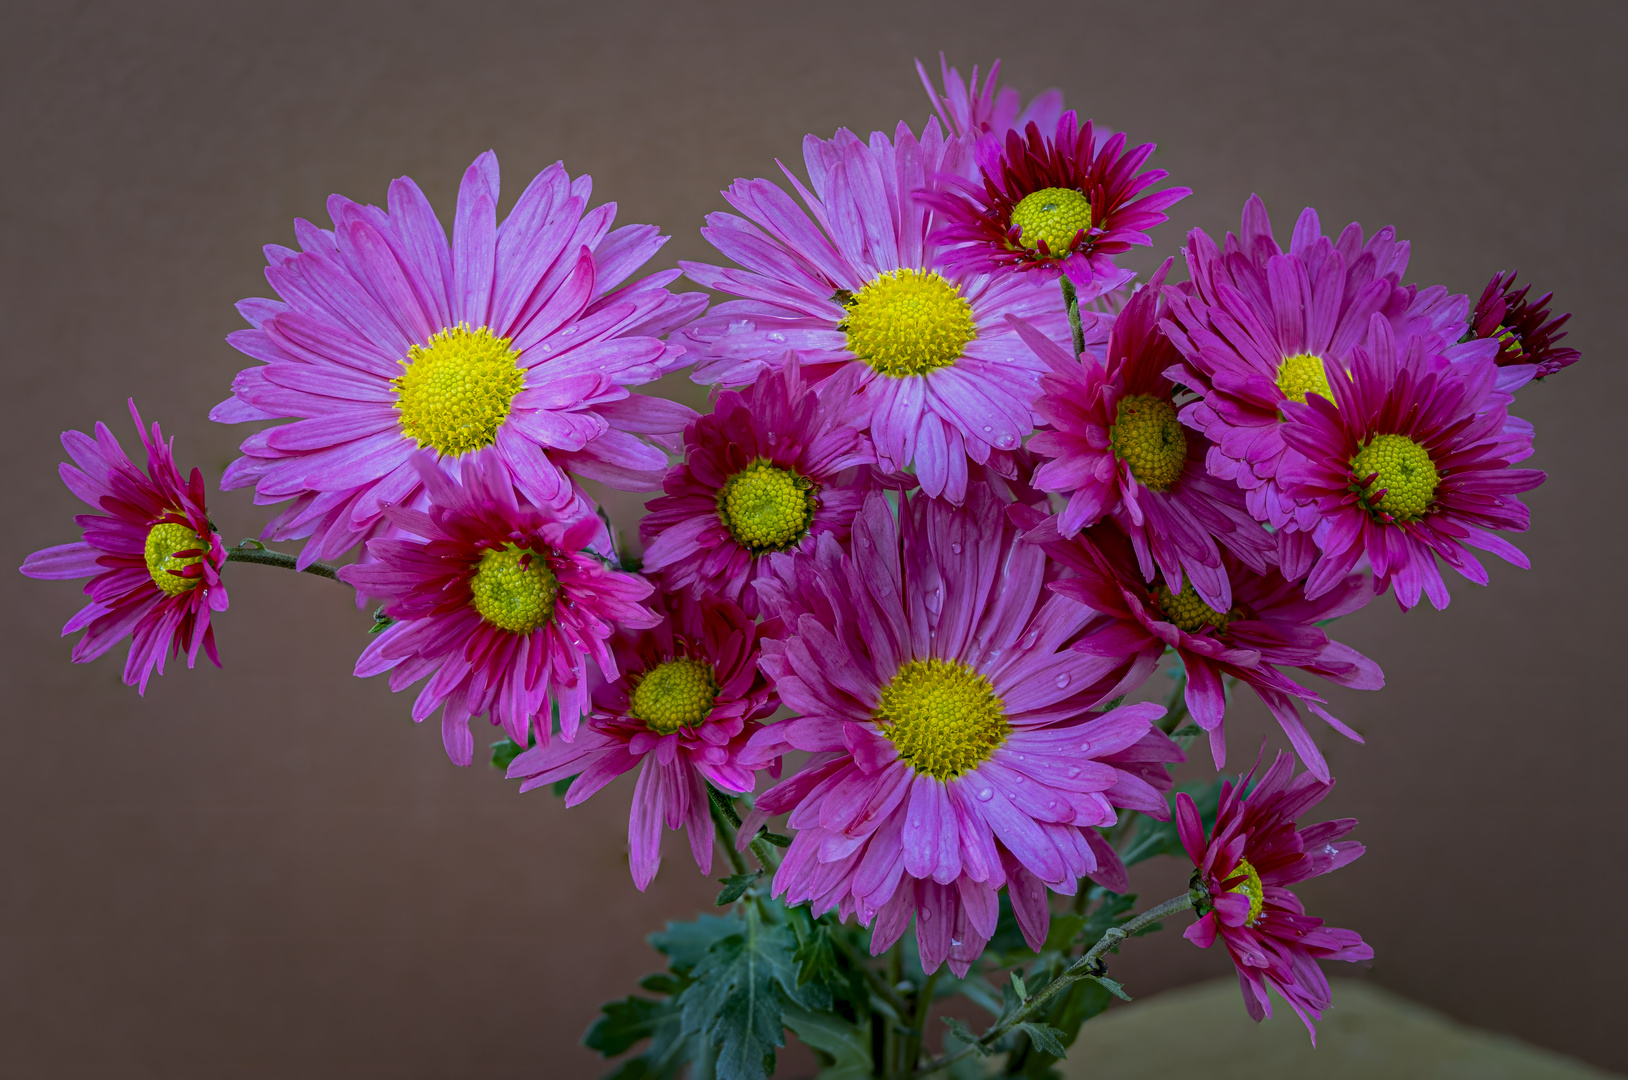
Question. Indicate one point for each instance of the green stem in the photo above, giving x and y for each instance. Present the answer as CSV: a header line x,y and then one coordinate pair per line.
x,y
882,988
1071,300
726,835
918,1021
264,556
761,848
1175,705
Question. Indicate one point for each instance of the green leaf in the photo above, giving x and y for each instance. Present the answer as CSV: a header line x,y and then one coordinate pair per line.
x,y
1017,984
504,751
686,943
381,621
735,886
776,839
961,1033
625,1023
1112,987
1046,1039
1154,837
848,1046
1065,929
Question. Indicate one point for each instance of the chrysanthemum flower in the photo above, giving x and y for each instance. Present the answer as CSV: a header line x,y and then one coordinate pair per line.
x,y
1271,625
1117,449
1526,335
688,696
1410,460
948,716
1050,200
1244,870
854,288
152,556
770,469
497,600
970,111
516,336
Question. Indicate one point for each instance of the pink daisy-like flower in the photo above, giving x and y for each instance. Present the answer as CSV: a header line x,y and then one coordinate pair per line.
x,y
1051,200
152,556
1410,460
970,111
1117,449
1526,335
854,287
688,697
497,600
770,469
948,716
518,336
1271,625
1244,870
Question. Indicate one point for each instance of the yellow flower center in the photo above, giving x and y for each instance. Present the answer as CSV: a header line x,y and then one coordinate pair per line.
x,y
766,508
908,322
676,694
1188,612
1053,216
170,549
1147,435
513,588
1405,478
1303,374
944,717
1250,887
455,394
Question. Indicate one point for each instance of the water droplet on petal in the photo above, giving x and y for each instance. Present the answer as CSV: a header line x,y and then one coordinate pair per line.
x,y
925,914
988,428
955,549
955,943
1084,747
1005,442
777,338
1028,640
985,794
1074,770
1062,681
1330,849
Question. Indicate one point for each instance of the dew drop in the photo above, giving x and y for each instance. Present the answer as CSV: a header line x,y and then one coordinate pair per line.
x,y
955,943
1062,681
1084,747
1028,640
1074,770
1330,849
778,339
772,437
955,549
925,914
1005,442
985,794
988,428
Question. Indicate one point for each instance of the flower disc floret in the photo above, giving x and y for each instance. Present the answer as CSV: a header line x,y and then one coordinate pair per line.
x,y
943,717
766,508
1303,374
1187,611
1053,216
456,393
170,549
513,588
674,695
1147,436
1404,478
1250,888
908,322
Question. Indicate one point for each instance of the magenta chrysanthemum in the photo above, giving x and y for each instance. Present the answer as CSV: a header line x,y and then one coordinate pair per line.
x,y
1410,460
970,111
948,716
1244,870
152,556
688,696
1117,449
856,290
517,336
1270,625
1053,200
771,469
497,600
1526,335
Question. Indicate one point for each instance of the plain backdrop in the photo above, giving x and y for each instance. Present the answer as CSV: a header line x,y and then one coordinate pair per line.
x,y
270,871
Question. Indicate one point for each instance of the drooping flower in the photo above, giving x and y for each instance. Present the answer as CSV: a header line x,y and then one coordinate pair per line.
x,y
1410,460
1526,335
856,290
498,601
1117,449
1244,870
769,469
152,555
518,336
948,718
1050,200
970,111
1271,625
688,696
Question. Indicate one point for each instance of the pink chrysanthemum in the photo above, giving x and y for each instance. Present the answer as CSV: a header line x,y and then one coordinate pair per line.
x,y
1051,200
1271,625
496,599
516,336
152,556
1118,450
768,470
1244,870
970,111
1526,335
948,716
854,287
1410,460
688,697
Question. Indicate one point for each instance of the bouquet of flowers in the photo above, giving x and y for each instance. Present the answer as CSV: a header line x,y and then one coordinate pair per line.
x,y
966,485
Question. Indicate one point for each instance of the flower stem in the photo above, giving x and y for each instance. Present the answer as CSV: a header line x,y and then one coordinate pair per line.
x,y
721,815
264,556
1071,300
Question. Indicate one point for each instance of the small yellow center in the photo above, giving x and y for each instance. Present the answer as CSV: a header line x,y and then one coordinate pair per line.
x,y
1405,478
1250,887
766,508
1147,435
456,393
513,588
170,549
676,694
1187,611
908,322
1052,216
1303,374
944,717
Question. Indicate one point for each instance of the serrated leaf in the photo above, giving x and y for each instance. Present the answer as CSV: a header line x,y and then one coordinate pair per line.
x,y
961,1033
661,983
846,1044
623,1024
1114,988
1047,1039
1017,984
686,943
735,886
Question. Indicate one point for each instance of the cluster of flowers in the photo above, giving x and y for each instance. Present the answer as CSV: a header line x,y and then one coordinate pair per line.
x,y
961,485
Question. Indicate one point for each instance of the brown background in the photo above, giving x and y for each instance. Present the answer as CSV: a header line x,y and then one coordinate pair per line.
x,y
271,872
